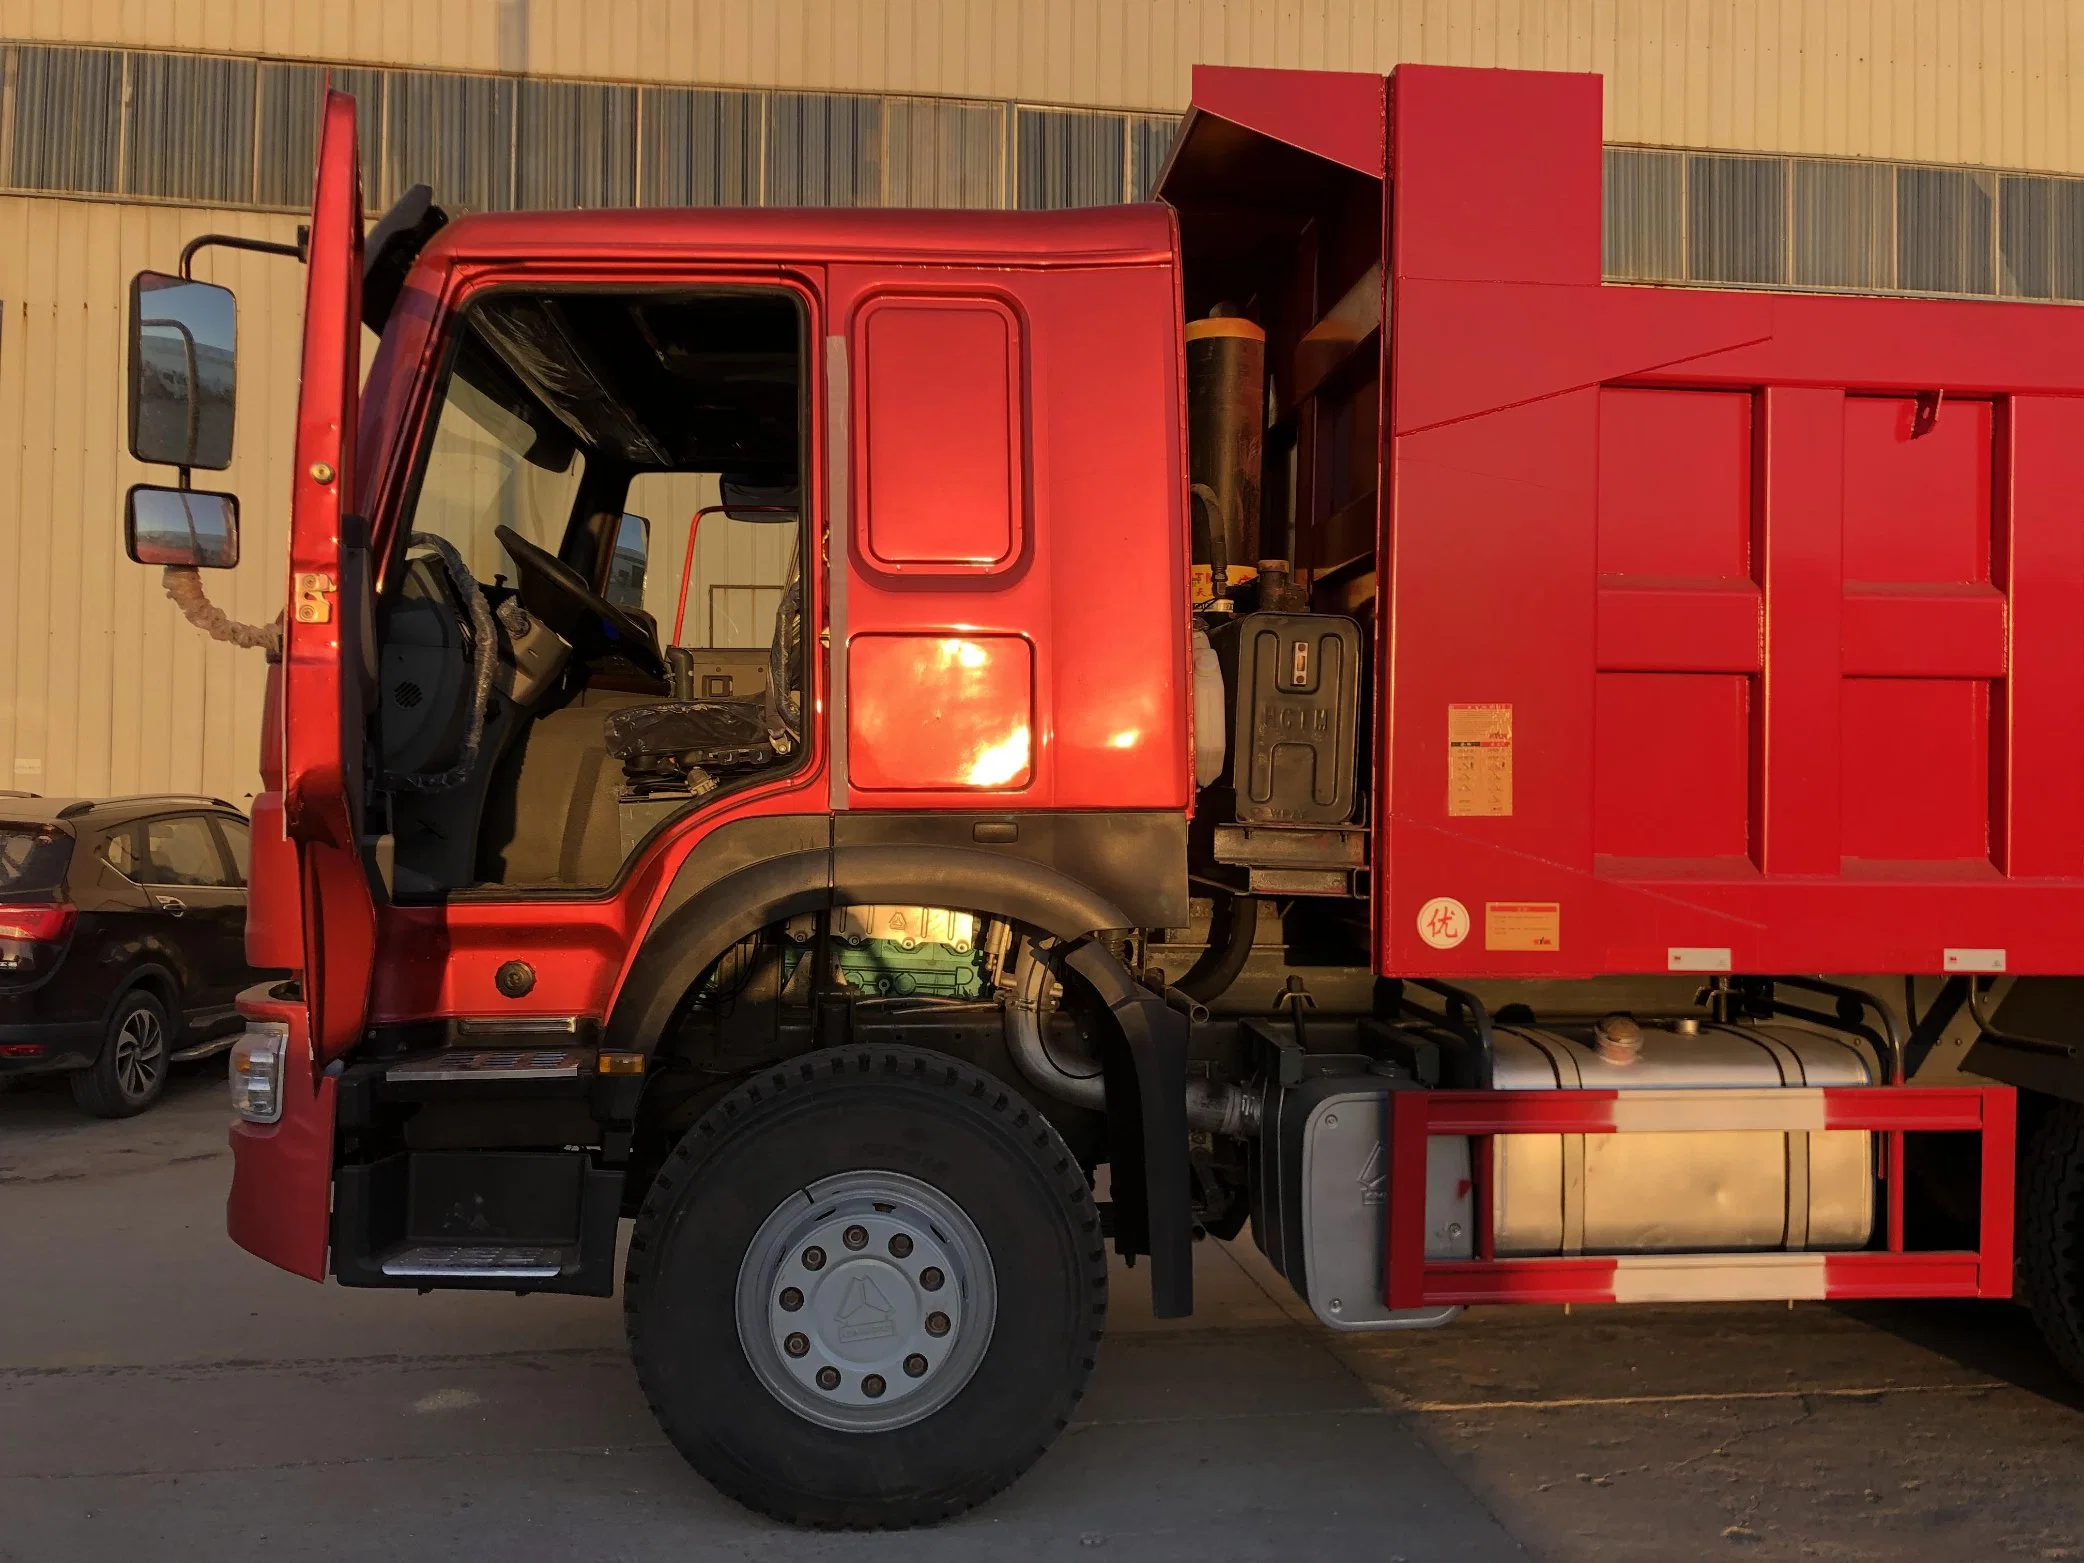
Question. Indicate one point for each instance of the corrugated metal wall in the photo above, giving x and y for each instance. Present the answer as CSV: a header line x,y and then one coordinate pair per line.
x,y
105,689
1956,81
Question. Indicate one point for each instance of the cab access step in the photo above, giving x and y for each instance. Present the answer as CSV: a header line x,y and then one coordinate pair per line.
x,y
494,1160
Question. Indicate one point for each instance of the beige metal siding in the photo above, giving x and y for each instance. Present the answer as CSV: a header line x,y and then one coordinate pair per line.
x,y
105,688
1957,81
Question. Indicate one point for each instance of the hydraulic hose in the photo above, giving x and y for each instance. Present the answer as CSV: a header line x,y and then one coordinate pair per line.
x,y
1230,935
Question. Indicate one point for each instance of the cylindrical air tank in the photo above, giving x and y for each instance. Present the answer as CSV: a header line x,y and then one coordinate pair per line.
x,y
1226,425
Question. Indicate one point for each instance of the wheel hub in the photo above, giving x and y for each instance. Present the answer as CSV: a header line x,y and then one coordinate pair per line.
x,y
865,1302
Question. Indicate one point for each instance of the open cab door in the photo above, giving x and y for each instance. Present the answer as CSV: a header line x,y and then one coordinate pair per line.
x,y
327,638
312,904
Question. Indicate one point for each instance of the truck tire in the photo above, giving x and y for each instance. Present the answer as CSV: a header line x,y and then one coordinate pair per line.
x,y
866,1289
2051,1231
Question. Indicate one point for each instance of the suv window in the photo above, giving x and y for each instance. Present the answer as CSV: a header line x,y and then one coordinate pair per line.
x,y
119,851
181,850
32,857
235,834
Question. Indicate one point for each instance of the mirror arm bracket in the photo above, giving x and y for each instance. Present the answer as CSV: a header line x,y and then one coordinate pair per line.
x,y
232,241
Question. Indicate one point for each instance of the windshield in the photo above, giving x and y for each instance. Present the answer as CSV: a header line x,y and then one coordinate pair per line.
x,y
32,858
489,467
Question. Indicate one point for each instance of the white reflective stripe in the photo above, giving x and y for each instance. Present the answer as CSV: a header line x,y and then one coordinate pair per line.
x,y
1788,1109
1641,1278
1973,960
1693,957
838,527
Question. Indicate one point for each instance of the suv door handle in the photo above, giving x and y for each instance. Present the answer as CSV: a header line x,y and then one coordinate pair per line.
x,y
173,906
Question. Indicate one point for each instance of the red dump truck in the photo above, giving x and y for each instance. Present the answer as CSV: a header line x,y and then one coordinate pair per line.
x,y
1296,706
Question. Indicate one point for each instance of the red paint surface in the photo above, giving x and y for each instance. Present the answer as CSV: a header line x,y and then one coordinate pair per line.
x,y
322,703
1098,586
967,719
1791,673
282,1172
1335,114
944,410
1091,591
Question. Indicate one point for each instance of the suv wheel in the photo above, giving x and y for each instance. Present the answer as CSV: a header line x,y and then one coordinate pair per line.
x,y
131,1071
866,1289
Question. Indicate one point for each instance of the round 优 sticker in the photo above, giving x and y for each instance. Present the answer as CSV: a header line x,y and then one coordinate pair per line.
x,y
1443,922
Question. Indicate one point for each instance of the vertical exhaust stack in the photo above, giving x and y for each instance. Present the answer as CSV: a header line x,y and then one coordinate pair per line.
x,y
1226,427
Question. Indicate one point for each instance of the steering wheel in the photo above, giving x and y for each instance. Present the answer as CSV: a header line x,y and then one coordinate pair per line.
x,y
559,595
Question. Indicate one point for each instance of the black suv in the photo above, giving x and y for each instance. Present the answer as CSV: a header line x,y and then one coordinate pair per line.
x,y
122,940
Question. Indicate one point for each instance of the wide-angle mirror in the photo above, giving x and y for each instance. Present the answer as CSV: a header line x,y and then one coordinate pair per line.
x,y
181,526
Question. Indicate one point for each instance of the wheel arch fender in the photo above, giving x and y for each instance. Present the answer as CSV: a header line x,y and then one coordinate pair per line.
x,y
157,979
684,943
690,938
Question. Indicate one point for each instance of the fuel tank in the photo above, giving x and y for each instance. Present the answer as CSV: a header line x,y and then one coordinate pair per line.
x,y
1704,1190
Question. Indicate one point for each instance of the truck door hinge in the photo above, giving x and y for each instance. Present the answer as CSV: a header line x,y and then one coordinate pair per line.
x,y
314,597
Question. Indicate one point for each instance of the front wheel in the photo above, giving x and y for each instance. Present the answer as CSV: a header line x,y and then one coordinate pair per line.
x,y
866,1289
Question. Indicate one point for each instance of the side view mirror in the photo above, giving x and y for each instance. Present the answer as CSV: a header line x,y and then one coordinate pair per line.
x,y
181,526
751,497
183,371
626,567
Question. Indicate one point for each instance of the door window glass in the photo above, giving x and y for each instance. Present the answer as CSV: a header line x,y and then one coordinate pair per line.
x,y
733,584
235,834
497,459
181,851
120,852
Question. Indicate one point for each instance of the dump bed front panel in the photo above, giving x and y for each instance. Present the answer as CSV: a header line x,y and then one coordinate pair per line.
x,y
1720,631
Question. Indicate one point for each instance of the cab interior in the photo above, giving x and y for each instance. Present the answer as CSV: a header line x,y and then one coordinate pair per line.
x,y
594,617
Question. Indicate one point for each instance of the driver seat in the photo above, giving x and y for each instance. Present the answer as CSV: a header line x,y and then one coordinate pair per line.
x,y
671,746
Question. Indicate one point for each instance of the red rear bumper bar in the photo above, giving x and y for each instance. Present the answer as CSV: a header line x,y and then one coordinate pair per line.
x,y
1411,1281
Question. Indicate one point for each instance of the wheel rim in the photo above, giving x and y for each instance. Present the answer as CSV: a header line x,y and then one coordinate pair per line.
x,y
140,1053
866,1301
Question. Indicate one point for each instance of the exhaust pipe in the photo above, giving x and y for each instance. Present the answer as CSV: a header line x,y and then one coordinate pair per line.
x,y
1211,1105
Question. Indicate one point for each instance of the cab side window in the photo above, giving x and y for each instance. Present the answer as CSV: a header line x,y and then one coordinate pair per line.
x,y
182,850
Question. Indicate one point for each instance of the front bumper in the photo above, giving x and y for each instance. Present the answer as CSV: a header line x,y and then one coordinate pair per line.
x,y
282,1173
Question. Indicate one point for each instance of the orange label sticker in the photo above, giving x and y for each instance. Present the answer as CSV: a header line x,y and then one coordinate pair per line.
x,y
1479,760
1522,925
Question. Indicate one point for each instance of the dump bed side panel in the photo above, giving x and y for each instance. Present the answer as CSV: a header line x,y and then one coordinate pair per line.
x,y
1720,631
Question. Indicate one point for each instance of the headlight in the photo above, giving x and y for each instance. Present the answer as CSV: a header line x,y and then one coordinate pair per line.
x,y
256,1070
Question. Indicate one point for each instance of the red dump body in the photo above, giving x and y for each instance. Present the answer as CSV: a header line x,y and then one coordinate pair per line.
x,y
1717,630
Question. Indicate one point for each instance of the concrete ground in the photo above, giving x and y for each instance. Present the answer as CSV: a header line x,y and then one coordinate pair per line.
x,y
163,1395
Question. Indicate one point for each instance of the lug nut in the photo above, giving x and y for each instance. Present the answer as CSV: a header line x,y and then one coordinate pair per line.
x,y
797,1345
791,1299
900,1246
855,1238
915,1366
937,1324
873,1385
814,1259
931,1278
828,1378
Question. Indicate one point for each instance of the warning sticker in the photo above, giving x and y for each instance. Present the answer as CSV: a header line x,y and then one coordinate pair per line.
x,y
1522,925
1479,760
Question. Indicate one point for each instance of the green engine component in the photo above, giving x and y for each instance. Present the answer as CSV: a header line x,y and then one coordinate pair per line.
x,y
900,952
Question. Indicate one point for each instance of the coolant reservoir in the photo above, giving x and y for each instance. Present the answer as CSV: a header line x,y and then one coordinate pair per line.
x,y
1210,712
